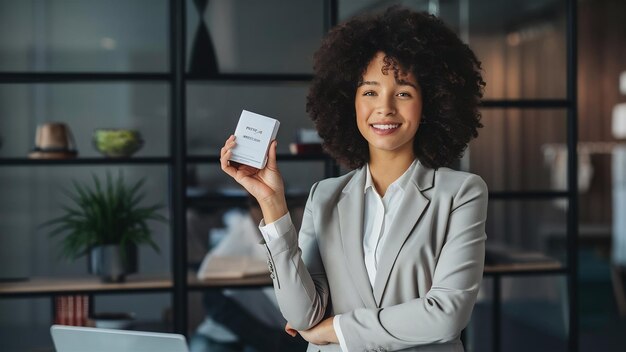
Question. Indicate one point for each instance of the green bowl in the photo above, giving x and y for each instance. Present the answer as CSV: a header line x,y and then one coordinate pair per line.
x,y
117,142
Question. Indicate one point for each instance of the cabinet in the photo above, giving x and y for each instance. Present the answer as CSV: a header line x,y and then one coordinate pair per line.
x,y
168,82
149,87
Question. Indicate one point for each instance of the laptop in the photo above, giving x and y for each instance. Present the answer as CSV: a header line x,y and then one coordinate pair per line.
x,y
83,339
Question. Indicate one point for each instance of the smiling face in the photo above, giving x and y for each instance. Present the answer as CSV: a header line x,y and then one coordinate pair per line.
x,y
388,110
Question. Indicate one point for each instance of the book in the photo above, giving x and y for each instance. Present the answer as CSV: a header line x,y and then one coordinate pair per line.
x,y
71,310
254,133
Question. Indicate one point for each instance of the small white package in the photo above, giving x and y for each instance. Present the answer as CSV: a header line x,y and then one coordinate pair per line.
x,y
254,133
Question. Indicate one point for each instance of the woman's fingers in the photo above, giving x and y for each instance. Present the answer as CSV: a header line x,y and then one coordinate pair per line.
x,y
230,142
238,172
225,154
291,331
259,183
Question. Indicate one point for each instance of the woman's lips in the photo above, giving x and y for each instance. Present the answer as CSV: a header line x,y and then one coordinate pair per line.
x,y
385,128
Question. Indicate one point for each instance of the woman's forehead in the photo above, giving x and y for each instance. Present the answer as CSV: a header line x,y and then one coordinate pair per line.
x,y
388,65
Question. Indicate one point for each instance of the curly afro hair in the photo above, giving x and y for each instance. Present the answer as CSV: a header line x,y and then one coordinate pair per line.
x,y
448,72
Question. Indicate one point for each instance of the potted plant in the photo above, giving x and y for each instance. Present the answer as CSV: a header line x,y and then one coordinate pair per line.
x,y
107,224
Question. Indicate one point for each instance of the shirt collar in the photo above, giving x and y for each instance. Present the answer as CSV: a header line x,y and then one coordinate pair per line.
x,y
368,179
401,182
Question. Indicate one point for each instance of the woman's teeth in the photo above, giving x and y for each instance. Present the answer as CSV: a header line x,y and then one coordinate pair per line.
x,y
386,127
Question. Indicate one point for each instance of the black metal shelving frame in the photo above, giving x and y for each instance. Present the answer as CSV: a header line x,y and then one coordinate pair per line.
x,y
177,80
571,194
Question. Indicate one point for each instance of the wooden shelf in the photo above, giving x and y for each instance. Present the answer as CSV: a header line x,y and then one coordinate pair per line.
x,y
539,268
41,286
505,260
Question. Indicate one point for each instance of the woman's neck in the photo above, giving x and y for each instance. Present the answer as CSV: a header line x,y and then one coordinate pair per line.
x,y
386,169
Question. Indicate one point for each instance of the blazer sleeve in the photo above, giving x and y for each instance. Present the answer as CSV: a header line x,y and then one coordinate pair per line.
x,y
440,315
298,274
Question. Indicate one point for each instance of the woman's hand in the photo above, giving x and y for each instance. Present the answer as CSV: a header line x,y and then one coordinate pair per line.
x,y
291,331
266,185
321,334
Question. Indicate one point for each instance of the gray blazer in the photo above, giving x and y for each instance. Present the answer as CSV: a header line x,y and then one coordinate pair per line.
x,y
427,279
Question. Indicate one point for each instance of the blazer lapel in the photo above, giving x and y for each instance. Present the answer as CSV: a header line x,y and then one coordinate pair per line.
x,y
350,209
410,211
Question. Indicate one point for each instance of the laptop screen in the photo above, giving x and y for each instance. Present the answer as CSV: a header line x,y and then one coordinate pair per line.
x,y
81,339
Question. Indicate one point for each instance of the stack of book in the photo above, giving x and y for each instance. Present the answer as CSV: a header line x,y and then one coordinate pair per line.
x,y
71,310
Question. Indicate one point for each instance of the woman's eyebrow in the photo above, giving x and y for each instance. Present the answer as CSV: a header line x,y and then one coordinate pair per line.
x,y
371,83
400,82
406,83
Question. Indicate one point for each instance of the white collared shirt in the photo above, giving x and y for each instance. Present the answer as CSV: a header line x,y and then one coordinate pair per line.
x,y
378,215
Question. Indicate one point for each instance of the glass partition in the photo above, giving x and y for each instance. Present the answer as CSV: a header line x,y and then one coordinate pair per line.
x,y
242,36
521,150
84,36
214,109
520,43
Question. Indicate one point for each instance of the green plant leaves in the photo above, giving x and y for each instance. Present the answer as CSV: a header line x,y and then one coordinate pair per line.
x,y
104,214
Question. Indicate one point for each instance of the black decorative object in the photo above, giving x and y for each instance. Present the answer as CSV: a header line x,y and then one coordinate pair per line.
x,y
203,61
113,262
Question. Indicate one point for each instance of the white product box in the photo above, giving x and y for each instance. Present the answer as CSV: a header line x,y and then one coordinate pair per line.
x,y
254,133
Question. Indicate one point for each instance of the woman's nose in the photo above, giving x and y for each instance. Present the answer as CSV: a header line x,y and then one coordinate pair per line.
x,y
387,107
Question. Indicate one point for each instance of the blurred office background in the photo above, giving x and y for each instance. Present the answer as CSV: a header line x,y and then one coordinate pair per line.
x,y
263,56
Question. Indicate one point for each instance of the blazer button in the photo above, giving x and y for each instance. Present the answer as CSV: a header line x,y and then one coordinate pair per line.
x,y
270,266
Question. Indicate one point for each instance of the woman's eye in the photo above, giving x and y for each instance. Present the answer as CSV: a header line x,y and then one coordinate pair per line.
x,y
404,94
369,93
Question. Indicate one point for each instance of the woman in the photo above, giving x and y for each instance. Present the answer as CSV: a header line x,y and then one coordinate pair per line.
x,y
389,256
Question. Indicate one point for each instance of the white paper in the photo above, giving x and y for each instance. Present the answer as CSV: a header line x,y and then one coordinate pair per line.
x,y
253,134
